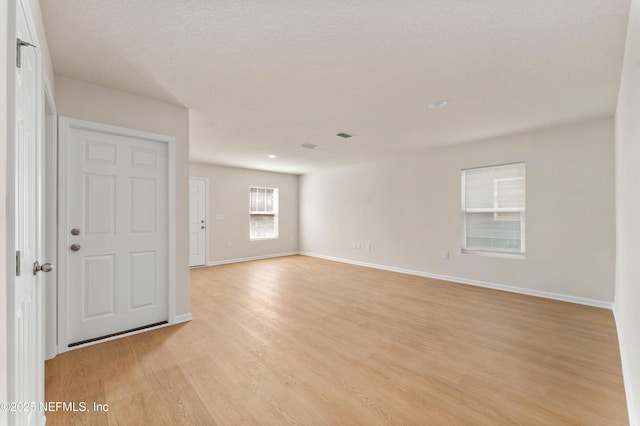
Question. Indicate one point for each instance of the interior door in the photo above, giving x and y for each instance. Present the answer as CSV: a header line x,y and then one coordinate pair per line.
x,y
27,380
116,231
197,221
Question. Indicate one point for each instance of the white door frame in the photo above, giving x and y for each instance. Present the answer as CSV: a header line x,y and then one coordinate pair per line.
x,y
206,215
50,207
65,124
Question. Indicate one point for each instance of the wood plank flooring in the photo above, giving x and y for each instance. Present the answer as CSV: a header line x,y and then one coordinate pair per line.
x,y
305,341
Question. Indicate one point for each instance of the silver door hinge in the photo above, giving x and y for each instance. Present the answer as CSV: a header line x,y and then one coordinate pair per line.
x,y
19,45
18,263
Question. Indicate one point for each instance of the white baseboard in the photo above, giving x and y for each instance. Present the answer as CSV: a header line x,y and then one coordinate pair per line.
x,y
529,292
248,259
183,318
634,416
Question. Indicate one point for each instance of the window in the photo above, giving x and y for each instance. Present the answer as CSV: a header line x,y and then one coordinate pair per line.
x,y
493,209
263,211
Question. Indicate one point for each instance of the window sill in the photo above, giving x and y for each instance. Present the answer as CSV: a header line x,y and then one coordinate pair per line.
x,y
503,255
262,239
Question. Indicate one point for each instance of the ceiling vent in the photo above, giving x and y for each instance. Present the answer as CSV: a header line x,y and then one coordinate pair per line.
x,y
344,135
309,146
438,104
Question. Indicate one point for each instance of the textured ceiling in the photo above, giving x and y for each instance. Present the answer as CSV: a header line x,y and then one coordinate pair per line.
x,y
264,77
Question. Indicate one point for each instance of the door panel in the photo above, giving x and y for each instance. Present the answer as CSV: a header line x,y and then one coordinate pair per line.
x,y
142,206
117,197
143,272
99,204
99,286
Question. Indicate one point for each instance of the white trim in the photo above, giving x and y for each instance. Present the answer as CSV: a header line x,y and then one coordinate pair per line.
x,y
183,318
504,255
50,169
495,166
115,130
478,283
206,215
63,135
171,207
634,415
64,126
496,209
248,259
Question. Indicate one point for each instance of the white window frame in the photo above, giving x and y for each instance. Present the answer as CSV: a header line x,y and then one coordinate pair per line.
x,y
273,212
496,210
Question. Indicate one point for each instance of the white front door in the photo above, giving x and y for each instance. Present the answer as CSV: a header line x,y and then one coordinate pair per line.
x,y
27,380
116,230
197,221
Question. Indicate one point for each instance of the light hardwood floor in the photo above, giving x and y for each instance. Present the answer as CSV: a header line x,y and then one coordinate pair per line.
x,y
304,341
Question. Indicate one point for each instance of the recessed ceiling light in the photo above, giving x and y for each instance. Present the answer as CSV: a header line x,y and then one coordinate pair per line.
x,y
272,156
438,104
344,135
309,145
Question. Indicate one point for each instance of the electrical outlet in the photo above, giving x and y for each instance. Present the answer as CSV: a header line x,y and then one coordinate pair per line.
x,y
369,246
229,244
355,245
445,255
359,246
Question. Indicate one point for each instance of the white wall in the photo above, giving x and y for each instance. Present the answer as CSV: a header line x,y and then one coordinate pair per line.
x,y
87,101
408,209
229,196
627,300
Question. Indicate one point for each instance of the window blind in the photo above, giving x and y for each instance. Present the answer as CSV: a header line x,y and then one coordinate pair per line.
x,y
493,208
263,210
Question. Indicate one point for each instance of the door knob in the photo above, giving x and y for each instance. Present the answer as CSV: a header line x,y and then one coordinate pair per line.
x,y
202,227
45,267
75,247
75,231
